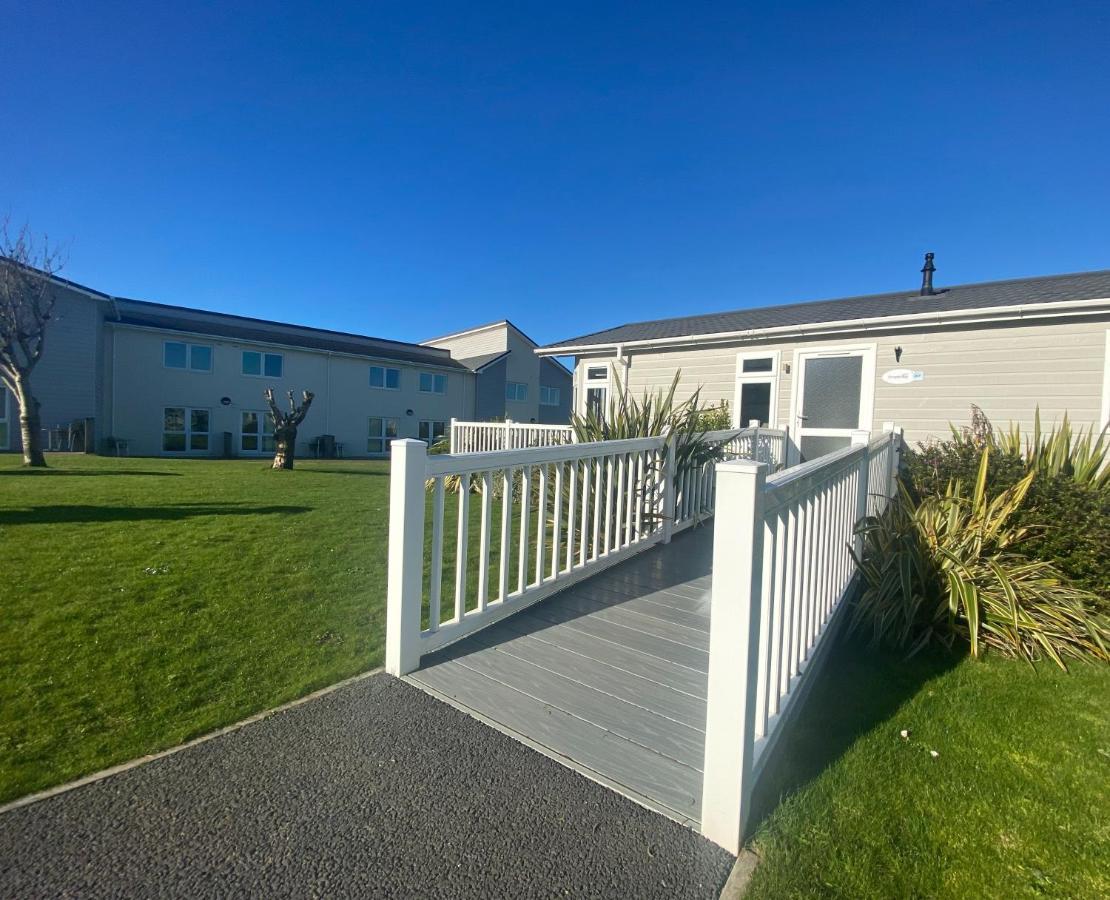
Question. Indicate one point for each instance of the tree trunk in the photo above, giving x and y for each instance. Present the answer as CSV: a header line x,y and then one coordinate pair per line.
x,y
30,427
285,444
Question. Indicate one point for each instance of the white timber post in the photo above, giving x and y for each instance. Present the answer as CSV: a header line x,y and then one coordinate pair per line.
x,y
454,439
669,469
754,423
733,652
861,439
508,442
405,590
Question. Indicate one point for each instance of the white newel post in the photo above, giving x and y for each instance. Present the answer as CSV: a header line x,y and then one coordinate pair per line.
x,y
406,556
733,651
454,437
669,469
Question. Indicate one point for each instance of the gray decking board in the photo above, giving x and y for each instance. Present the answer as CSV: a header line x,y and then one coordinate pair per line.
x,y
589,646
607,676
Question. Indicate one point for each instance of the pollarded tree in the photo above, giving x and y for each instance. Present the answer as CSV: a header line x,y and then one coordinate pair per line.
x,y
27,296
285,427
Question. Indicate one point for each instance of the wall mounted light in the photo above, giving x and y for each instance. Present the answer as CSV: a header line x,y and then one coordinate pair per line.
x,y
897,354
408,412
225,401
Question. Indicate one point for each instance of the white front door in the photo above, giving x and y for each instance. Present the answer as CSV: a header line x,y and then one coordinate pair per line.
x,y
834,392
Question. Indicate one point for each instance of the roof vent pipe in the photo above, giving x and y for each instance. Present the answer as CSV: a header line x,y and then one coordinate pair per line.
x,y
927,276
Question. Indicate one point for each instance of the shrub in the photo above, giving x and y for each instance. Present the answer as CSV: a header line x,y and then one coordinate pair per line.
x,y
1066,509
715,418
946,568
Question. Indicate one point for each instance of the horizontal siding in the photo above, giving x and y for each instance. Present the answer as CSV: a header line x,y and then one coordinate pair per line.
x,y
1008,370
492,340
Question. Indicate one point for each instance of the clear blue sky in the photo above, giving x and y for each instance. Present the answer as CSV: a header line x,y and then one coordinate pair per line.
x,y
406,169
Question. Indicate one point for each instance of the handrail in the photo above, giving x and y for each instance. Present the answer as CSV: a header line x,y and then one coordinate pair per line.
x,y
783,566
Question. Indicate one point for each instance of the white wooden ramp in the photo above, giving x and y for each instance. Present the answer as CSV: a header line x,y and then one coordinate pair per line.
x,y
607,677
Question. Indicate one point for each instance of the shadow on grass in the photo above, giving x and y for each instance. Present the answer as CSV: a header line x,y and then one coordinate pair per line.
x,y
85,473
858,688
345,472
51,515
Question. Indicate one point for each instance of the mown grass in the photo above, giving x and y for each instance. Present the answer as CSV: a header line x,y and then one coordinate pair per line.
x,y
147,601
1015,804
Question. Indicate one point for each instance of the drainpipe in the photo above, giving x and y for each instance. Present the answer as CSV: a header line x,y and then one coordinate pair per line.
x,y
327,402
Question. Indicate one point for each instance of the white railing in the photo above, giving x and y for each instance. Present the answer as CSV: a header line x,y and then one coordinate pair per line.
x,y
542,518
486,437
781,572
474,537
695,487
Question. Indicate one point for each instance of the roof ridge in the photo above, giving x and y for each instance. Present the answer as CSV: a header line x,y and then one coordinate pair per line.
x,y
940,291
857,298
256,319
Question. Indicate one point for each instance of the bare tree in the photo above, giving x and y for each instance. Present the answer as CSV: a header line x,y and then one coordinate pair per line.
x,y
285,427
27,295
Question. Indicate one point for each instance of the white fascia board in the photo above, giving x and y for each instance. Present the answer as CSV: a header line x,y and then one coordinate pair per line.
x,y
227,339
876,323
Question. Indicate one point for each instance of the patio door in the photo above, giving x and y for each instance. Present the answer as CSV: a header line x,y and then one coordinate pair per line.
x,y
833,396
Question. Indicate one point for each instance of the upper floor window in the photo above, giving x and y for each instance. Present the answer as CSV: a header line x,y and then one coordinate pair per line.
x,y
382,377
516,390
597,373
179,355
268,365
549,396
430,383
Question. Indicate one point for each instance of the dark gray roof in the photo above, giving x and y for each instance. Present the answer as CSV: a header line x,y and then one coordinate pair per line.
x,y
476,363
180,318
984,295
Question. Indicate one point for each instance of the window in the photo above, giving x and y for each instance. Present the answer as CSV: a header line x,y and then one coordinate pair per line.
x,y
432,431
381,377
549,396
381,432
256,432
179,355
268,365
597,373
184,430
757,384
433,384
516,390
5,418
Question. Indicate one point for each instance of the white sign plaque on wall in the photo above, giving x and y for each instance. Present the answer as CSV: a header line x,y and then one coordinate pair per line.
x,y
902,376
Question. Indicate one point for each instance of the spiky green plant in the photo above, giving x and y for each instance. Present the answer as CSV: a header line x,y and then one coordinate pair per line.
x,y
946,569
1080,455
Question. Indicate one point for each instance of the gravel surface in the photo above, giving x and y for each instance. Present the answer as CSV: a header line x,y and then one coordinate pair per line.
x,y
374,790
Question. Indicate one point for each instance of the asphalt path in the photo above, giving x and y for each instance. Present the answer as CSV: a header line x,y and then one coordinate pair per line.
x,y
372,790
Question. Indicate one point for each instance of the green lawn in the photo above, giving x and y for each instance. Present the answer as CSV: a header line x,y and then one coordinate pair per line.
x,y
1016,804
147,601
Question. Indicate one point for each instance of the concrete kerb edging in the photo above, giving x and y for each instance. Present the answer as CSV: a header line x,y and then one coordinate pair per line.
x,y
143,760
740,876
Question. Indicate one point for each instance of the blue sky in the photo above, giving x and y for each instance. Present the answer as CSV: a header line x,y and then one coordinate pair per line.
x,y
407,169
